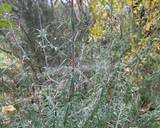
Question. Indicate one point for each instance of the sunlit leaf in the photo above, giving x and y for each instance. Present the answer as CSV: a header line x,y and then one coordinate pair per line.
x,y
7,24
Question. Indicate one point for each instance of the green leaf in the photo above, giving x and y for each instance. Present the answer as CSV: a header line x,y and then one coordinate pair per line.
x,y
7,24
5,8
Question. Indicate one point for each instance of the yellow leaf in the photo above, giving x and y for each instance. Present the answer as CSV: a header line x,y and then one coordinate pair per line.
x,y
8,110
97,30
148,26
129,2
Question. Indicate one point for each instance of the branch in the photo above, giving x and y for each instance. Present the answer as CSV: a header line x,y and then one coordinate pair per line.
x,y
63,69
5,51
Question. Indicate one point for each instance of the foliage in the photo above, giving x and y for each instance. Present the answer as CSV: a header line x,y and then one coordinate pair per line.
x,y
66,74
5,20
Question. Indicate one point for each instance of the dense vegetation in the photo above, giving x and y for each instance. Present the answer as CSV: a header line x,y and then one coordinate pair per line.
x,y
79,64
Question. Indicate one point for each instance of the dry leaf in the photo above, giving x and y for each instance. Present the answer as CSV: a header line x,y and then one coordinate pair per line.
x,y
8,110
147,107
76,6
127,69
6,121
148,26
